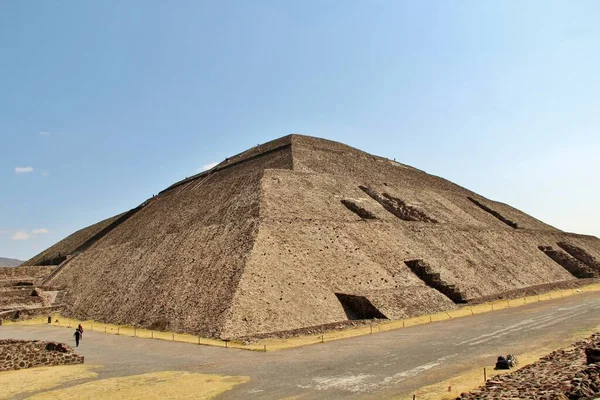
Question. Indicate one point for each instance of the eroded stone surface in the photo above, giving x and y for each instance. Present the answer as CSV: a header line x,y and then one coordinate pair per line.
x,y
562,374
261,243
19,354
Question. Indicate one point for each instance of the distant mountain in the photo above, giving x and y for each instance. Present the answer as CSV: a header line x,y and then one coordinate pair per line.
x,y
9,262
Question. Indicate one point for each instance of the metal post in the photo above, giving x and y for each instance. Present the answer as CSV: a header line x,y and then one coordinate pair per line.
x,y
134,332
484,374
173,335
265,348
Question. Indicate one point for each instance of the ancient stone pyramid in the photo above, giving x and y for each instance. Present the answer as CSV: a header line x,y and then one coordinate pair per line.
x,y
301,232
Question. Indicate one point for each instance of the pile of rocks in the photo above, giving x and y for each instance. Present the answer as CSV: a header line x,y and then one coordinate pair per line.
x,y
563,374
586,384
18,354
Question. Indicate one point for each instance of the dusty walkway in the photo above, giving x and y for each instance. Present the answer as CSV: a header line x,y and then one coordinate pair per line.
x,y
374,366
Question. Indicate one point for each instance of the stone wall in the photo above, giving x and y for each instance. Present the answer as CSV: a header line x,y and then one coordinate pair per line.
x,y
561,375
25,314
19,354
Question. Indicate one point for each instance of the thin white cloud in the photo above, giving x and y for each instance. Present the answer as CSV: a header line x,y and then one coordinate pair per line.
x,y
44,133
23,170
208,166
44,173
20,235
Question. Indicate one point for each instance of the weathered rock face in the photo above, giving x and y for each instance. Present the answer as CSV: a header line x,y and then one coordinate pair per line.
x,y
269,239
563,374
586,384
592,355
19,354
20,295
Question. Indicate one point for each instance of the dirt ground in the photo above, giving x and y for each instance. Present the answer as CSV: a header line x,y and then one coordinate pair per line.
x,y
383,365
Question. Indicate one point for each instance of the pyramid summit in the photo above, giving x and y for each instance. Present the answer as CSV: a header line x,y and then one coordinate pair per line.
x,y
301,232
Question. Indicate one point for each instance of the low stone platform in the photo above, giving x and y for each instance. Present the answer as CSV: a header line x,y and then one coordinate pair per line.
x,y
19,354
561,375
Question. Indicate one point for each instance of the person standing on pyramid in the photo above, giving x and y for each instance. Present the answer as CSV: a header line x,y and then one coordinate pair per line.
x,y
77,335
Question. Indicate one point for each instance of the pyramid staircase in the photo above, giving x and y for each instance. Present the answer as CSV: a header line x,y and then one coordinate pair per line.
x,y
581,255
571,264
434,280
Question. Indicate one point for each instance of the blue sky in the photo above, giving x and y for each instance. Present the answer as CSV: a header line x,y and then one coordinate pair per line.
x,y
103,104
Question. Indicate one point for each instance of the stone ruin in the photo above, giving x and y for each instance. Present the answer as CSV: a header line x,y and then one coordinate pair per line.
x,y
19,354
565,374
302,232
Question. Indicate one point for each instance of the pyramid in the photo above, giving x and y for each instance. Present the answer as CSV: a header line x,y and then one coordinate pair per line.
x,y
302,232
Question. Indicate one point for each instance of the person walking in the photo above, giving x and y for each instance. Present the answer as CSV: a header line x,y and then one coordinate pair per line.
x,y
77,335
80,329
